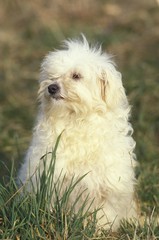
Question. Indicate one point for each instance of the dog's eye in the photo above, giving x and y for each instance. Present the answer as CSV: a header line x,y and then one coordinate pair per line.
x,y
76,76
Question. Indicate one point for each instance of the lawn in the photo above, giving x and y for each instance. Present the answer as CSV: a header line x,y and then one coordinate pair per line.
x,y
128,30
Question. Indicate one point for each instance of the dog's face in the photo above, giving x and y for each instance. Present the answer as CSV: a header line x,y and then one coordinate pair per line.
x,y
80,79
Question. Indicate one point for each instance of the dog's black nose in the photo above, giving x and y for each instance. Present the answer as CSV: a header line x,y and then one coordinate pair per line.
x,y
53,88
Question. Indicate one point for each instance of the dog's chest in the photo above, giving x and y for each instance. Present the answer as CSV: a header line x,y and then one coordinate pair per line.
x,y
81,144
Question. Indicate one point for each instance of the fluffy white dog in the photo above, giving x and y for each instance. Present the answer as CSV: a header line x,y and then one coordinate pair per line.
x,y
81,93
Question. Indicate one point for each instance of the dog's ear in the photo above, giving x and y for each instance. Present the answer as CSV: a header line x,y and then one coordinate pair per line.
x,y
112,90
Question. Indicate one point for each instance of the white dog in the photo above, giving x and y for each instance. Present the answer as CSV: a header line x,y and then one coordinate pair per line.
x,y
81,93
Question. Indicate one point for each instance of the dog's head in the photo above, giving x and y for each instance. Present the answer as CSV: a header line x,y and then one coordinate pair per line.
x,y
80,78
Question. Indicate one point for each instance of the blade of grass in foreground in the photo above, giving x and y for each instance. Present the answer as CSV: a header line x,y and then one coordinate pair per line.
x,y
33,215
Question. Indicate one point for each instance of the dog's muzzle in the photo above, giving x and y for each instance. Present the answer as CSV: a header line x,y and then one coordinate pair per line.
x,y
54,91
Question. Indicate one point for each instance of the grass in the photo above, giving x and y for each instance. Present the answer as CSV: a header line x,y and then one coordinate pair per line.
x,y
27,215
130,32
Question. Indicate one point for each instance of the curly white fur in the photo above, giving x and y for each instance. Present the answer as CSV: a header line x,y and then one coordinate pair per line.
x,y
91,107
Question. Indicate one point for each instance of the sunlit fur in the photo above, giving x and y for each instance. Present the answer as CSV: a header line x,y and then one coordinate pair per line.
x,y
92,111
